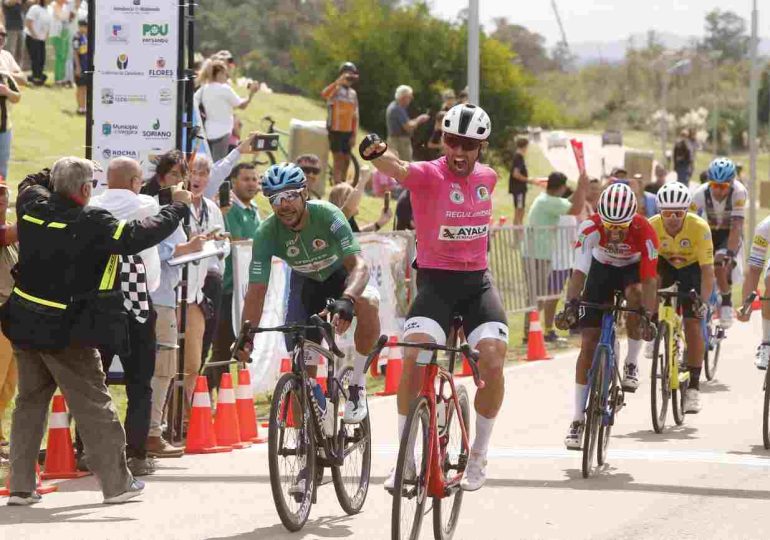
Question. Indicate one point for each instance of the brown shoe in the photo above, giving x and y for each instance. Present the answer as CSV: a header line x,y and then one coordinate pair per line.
x,y
158,447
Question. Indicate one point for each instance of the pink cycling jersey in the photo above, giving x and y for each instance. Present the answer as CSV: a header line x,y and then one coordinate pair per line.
x,y
451,214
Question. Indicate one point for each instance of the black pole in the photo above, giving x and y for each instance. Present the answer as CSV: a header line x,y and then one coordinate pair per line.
x,y
90,88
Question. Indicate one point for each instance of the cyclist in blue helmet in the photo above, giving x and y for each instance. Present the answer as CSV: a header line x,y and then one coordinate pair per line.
x,y
722,202
314,238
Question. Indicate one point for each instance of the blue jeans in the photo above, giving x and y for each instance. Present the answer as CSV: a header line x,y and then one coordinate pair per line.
x,y
5,152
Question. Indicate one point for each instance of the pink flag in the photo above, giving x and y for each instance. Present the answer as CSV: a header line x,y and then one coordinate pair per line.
x,y
577,148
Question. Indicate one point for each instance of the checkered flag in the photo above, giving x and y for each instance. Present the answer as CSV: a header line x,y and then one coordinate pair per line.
x,y
133,283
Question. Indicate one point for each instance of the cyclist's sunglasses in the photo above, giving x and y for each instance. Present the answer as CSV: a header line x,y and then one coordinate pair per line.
x,y
673,213
289,195
616,226
719,186
310,170
455,141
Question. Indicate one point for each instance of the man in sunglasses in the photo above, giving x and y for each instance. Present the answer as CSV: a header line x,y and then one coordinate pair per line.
x,y
722,202
686,257
311,166
315,240
616,250
452,204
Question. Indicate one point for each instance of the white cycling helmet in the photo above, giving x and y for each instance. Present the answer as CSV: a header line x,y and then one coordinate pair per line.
x,y
674,196
617,204
466,120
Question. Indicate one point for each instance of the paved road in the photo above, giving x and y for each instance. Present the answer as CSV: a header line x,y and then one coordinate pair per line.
x,y
563,159
706,479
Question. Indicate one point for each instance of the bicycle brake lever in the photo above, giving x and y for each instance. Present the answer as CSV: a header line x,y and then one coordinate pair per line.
x,y
376,351
472,355
747,304
328,334
240,343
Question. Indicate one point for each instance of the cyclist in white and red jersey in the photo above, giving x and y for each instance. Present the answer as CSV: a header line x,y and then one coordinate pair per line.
x,y
616,250
759,264
452,205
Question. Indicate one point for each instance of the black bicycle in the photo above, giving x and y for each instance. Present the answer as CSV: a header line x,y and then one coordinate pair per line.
x,y
302,441
746,309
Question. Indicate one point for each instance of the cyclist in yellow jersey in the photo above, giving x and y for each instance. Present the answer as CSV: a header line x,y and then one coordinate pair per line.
x,y
686,255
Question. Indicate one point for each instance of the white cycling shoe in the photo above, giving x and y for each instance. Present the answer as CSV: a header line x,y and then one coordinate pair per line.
x,y
574,438
630,378
726,316
356,409
409,474
763,355
692,401
475,472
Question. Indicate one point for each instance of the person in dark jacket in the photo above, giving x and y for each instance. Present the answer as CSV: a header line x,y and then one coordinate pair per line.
x,y
57,316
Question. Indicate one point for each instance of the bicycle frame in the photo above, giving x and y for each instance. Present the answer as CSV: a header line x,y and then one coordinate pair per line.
x,y
606,342
669,313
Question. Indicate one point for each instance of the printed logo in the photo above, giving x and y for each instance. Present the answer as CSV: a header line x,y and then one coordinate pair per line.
x,y
109,128
117,32
684,243
108,153
456,196
155,132
652,252
109,97
292,251
462,234
136,8
106,129
155,34
160,69
319,244
165,96
122,61
740,203
760,241
482,193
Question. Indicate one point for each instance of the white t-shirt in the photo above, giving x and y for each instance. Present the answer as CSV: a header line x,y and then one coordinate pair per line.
x,y
41,22
201,222
218,100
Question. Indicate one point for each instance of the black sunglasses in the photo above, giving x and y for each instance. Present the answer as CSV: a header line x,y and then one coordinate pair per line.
x,y
310,170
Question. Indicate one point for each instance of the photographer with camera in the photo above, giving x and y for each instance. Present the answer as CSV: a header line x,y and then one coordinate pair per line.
x,y
57,320
342,120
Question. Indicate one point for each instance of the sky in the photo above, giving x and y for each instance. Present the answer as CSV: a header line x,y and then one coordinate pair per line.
x,y
606,20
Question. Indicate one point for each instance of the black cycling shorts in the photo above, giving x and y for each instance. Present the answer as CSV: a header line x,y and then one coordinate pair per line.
x,y
688,278
602,282
339,142
307,297
719,239
441,294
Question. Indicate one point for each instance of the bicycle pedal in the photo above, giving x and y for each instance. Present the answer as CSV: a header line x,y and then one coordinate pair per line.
x,y
629,389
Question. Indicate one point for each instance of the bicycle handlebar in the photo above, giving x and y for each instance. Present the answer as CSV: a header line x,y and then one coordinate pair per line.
x,y
472,355
327,333
746,307
613,307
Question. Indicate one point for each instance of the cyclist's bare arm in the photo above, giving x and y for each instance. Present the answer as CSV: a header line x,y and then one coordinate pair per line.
x,y
254,303
706,281
576,283
358,276
650,294
734,239
751,280
390,165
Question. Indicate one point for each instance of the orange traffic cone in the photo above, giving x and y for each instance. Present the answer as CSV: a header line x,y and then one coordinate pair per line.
x,y
200,436
40,488
59,455
466,372
757,303
244,405
536,342
502,221
393,371
226,427
322,373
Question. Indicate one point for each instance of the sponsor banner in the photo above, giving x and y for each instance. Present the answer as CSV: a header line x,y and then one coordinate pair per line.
x,y
134,108
462,234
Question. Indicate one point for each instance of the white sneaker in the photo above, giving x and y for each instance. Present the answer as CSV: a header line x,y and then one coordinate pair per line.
x,y
630,377
409,474
649,348
134,490
356,408
574,438
475,472
726,316
692,401
763,355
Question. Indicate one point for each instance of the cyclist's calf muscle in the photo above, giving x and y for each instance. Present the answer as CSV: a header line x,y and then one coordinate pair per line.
x,y
589,341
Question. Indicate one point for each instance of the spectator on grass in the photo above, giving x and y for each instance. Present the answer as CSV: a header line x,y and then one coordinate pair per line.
x,y
463,96
311,166
216,101
660,179
9,256
400,126
342,119
348,199
8,63
13,14
60,38
9,93
546,210
82,65
448,99
37,25
683,158
518,180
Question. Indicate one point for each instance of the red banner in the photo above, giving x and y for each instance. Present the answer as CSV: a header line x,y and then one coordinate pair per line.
x,y
577,148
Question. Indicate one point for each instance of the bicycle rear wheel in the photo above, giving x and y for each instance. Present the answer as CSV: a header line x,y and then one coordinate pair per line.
x,y
614,397
593,413
677,400
660,382
713,348
446,511
291,450
351,479
410,489
766,412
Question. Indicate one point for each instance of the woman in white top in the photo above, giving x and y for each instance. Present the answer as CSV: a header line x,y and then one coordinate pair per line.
x,y
37,25
205,218
61,16
216,101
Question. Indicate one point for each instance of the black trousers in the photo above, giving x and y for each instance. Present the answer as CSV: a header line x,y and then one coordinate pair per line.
x,y
139,367
224,336
36,49
212,289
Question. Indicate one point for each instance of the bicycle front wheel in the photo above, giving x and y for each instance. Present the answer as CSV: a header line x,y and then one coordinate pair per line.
x,y
713,348
593,413
660,382
351,479
766,412
291,453
446,511
410,489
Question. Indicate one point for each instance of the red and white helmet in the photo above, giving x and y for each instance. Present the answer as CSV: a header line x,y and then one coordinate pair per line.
x,y
617,204
466,120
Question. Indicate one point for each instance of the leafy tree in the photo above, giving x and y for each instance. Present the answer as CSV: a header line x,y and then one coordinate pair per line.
x,y
726,32
528,46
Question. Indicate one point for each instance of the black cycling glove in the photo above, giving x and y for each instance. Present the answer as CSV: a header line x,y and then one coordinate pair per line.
x,y
343,307
370,141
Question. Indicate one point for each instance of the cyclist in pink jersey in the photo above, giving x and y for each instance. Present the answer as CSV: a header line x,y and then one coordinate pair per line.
x,y
452,205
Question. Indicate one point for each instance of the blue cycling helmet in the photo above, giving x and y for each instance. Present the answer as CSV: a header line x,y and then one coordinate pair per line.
x,y
722,169
281,177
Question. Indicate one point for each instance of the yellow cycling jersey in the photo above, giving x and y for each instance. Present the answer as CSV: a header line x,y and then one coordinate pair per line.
x,y
692,244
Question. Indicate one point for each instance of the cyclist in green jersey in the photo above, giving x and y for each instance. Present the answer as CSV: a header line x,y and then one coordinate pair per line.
x,y
316,241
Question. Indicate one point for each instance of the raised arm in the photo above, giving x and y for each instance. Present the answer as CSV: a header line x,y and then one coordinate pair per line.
x,y
374,149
